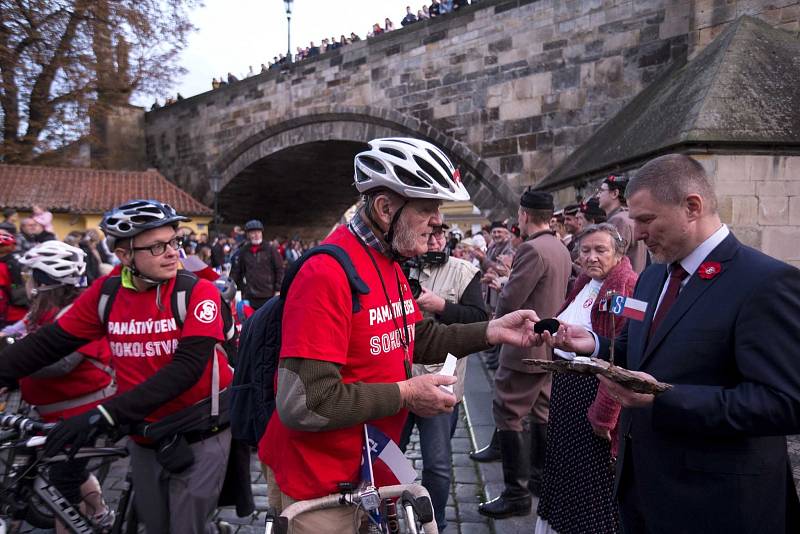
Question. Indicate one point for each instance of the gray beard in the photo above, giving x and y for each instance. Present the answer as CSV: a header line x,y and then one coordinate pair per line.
x,y
404,239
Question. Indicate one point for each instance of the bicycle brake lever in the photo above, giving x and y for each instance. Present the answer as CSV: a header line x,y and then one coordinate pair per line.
x,y
422,506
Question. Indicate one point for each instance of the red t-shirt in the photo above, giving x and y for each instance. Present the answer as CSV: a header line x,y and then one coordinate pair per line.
x,y
84,379
8,313
143,335
318,323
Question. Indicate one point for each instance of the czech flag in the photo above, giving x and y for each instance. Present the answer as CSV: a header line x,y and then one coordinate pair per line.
x,y
382,461
628,307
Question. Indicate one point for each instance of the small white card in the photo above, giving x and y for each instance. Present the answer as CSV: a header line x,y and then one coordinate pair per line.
x,y
449,369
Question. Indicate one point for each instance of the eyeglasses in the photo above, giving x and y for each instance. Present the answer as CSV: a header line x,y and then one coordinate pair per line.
x,y
157,249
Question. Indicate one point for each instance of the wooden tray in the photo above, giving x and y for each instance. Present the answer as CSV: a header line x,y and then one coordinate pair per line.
x,y
593,366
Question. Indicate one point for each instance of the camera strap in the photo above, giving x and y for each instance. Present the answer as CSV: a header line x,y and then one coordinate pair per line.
x,y
404,336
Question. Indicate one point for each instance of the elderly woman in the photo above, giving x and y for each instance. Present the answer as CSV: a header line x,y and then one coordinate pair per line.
x,y
578,479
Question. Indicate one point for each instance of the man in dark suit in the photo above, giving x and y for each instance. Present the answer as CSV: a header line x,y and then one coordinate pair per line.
x,y
721,326
538,281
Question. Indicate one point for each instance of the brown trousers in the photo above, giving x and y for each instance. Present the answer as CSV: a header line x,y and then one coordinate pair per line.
x,y
516,395
340,519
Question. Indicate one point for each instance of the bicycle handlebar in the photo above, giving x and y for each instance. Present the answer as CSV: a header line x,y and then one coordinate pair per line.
x,y
24,424
335,499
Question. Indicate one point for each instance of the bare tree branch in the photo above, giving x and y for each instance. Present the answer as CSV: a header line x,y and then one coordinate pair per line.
x,y
61,60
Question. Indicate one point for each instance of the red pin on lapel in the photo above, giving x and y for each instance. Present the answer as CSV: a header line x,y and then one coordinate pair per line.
x,y
709,269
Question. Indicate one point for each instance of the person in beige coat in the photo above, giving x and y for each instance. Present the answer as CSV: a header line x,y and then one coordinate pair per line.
x,y
538,281
611,197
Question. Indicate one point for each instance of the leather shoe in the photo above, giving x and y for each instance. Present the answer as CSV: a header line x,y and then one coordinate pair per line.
x,y
503,507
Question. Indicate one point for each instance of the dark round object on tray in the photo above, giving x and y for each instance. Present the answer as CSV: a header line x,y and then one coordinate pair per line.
x,y
549,325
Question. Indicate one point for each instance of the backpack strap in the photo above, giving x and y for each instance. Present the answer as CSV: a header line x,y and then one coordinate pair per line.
x,y
357,285
107,293
184,283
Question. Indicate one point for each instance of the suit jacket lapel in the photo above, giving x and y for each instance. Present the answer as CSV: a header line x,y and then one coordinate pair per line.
x,y
689,295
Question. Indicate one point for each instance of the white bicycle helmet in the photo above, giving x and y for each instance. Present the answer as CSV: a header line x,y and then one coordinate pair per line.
x,y
410,167
62,263
136,216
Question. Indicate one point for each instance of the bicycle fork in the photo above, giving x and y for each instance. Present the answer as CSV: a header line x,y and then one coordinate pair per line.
x,y
61,507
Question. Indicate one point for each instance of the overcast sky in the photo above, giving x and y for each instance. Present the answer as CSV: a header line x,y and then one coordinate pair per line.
x,y
233,34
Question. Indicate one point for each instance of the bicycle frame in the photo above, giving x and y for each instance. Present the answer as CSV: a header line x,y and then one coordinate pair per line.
x,y
20,474
405,492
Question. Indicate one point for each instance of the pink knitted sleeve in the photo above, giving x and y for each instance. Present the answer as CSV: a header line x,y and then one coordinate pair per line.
x,y
604,413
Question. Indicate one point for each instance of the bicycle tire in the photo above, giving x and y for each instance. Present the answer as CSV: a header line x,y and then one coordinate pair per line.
x,y
38,514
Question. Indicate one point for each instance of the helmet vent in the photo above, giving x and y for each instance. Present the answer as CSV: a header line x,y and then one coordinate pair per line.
x,y
438,159
393,152
409,179
360,176
373,164
432,172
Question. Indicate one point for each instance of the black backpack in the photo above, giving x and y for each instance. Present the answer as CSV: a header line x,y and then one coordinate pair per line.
x,y
179,302
253,392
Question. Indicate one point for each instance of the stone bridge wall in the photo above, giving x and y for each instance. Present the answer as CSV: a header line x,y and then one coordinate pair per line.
x,y
510,88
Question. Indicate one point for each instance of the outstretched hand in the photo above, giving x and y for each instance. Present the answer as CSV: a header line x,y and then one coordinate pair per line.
x,y
515,328
569,338
423,396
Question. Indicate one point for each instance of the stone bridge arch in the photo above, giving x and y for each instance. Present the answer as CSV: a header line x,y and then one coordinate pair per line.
x,y
298,172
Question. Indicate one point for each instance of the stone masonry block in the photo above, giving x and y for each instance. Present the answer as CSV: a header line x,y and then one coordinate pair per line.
x,y
731,168
794,212
792,169
713,12
725,209
446,110
677,20
781,242
744,211
775,189
759,167
773,211
731,188
567,78
616,42
520,109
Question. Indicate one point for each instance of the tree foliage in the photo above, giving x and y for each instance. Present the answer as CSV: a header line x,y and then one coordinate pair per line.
x,y
61,61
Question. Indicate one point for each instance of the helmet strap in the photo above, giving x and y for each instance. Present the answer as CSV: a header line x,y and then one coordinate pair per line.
x,y
389,236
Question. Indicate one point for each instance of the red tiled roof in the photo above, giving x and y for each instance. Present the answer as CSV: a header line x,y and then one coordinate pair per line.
x,y
80,190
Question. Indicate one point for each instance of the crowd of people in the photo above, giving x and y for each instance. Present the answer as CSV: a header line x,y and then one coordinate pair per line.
x,y
362,362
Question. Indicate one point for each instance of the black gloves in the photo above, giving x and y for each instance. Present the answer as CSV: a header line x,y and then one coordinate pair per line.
x,y
76,431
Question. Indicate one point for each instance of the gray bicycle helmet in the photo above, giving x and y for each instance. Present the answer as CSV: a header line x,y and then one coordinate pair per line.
x,y
136,216
412,168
